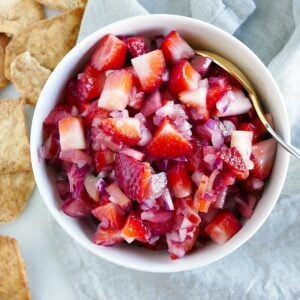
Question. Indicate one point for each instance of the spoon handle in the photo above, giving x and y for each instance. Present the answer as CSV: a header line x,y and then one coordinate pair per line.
x,y
290,148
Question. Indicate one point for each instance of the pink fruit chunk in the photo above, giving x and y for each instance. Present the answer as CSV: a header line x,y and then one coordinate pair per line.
x,y
183,77
116,90
78,208
110,216
110,54
75,156
152,104
90,184
71,134
167,142
58,113
223,227
107,236
137,45
133,176
201,64
263,157
176,48
149,68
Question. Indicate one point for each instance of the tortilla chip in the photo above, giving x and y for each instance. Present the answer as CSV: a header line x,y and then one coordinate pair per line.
x,y
15,15
13,279
63,4
28,76
48,41
4,40
15,190
14,145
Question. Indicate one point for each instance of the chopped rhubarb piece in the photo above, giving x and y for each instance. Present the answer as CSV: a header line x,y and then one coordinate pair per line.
x,y
137,45
223,227
90,83
233,159
179,180
167,142
149,68
110,54
263,157
176,48
71,134
110,215
133,176
183,77
127,131
135,229
107,236
116,90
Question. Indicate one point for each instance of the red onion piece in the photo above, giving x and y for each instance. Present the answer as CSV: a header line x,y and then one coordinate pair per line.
x,y
157,185
133,153
117,196
75,156
90,184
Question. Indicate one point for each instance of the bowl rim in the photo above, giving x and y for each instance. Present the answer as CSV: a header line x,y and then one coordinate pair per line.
x,y
35,143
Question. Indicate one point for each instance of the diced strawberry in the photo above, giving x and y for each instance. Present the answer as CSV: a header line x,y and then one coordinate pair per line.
x,y
223,227
103,159
135,229
133,176
92,111
214,94
71,134
235,162
263,156
107,236
110,215
58,113
167,142
78,207
137,45
116,91
183,77
247,126
176,48
118,197
149,68
196,99
90,83
179,180
109,54
201,64
71,91
127,130
152,104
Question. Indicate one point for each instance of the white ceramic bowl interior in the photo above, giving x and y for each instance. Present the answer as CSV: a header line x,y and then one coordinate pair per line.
x,y
200,35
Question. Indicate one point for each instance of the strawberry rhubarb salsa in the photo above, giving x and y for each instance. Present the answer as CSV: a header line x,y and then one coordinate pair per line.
x,y
158,146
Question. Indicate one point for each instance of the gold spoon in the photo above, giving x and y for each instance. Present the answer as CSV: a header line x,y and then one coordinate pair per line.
x,y
240,76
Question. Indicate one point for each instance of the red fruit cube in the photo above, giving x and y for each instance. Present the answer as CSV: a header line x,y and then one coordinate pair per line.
x,y
71,134
183,77
109,54
133,176
117,90
135,229
90,83
167,142
103,159
263,156
93,111
176,48
137,45
110,215
223,227
179,180
107,236
127,130
233,159
149,68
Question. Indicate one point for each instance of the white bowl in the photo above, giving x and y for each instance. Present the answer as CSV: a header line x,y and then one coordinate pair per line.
x,y
201,35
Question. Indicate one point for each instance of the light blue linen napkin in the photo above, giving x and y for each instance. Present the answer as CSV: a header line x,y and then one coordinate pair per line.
x,y
267,266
